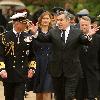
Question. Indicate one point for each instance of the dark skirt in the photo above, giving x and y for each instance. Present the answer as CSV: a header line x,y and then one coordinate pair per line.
x,y
42,79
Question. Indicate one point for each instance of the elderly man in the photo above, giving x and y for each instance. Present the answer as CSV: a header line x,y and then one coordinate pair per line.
x,y
15,49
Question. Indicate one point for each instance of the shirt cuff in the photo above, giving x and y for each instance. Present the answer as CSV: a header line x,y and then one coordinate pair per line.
x,y
88,37
3,70
35,35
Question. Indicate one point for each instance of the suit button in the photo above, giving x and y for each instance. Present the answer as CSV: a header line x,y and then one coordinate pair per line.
x,y
14,66
28,44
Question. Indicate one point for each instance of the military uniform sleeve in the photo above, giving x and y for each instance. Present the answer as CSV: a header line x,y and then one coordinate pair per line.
x,y
2,56
2,53
32,64
32,58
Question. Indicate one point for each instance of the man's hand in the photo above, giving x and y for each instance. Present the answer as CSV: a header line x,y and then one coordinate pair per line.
x,y
3,74
30,73
32,28
93,30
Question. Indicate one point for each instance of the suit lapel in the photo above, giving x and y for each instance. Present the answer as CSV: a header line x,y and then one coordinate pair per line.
x,y
58,35
70,37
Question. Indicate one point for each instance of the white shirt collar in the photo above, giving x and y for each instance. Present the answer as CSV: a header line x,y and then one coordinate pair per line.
x,y
15,31
66,33
67,29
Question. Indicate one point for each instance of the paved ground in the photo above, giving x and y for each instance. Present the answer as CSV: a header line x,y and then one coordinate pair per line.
x,y
31,95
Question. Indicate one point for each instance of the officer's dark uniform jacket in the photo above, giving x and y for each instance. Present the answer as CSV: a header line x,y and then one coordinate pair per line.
x,y
15,54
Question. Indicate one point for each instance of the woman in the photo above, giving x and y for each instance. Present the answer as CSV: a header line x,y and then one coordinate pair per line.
x,y
43,82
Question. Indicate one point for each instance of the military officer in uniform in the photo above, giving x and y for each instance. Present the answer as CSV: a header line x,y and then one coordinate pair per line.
x,y
15,50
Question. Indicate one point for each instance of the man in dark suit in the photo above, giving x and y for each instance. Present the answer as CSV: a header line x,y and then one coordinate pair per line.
x,y
65,66
89,58
15,47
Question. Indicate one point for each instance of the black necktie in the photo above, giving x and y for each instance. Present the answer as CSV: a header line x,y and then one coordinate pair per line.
x,y
17,34
63,36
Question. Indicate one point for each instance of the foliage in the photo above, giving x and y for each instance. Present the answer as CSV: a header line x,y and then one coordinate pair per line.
x,y
92,5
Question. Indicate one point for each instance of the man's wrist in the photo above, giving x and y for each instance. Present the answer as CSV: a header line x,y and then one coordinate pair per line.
x,y
35,35
89,37
2,71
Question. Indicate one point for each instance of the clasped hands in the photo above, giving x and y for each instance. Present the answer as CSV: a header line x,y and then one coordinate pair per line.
x,y
4,75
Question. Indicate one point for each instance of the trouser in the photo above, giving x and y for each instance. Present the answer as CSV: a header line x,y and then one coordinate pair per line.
x,y
87,88
14,91
81,92
65,88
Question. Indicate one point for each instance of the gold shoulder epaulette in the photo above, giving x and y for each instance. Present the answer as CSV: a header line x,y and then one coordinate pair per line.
x,y
3,38
2,65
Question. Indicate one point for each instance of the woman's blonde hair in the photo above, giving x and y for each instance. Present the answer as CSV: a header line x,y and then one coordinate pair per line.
x,y
41,17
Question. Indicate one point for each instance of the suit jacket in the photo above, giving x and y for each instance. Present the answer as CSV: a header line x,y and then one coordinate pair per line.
x,y
15,55
65,57
90,62
90,58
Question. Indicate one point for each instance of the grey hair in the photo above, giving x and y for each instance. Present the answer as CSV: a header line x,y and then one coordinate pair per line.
x,y
86,18
66,13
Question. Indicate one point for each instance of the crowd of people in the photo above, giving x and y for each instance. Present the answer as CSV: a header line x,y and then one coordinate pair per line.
x,y
55,54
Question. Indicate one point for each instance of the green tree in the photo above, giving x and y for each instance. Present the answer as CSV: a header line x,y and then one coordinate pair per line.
x,y
92,5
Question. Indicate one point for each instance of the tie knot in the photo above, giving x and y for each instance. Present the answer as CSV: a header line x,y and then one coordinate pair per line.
x,y
18,34
63,31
